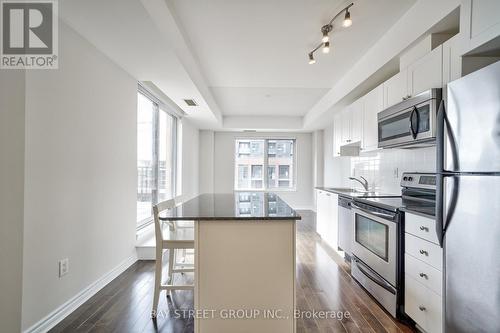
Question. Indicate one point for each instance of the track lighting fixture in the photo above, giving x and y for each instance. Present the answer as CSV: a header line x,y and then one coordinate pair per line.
x,y
327,28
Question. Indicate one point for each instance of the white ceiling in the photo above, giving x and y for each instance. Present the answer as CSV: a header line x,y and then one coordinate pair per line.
x,y
240,58
254,53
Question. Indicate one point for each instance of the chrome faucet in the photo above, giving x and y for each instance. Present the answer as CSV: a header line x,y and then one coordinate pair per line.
x,y
363,182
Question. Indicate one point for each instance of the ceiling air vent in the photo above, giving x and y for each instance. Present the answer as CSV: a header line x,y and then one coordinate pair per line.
x,y
190,102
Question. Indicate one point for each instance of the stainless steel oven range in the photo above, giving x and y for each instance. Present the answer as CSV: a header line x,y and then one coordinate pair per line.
x,y
376,253
378,236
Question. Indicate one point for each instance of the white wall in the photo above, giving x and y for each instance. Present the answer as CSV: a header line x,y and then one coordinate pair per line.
x,y
189,155
302,198
80,183
12,107
206,172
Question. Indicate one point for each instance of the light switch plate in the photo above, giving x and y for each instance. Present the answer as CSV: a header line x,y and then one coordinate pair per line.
x,y
63,267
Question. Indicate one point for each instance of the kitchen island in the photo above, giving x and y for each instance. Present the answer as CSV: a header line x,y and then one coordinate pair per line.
x,y
244,261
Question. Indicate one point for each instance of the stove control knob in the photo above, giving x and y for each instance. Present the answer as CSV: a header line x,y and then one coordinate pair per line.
x,y
405,178
410,179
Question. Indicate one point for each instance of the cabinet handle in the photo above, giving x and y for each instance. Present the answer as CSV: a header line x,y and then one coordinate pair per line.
x,y
423,275
422,308
424,228
424,252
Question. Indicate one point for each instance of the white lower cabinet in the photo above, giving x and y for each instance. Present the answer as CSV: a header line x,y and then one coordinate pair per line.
x,y
423,274
327,217
423,305
322,212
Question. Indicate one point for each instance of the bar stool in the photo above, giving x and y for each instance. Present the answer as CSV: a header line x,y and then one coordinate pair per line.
x,y
170,239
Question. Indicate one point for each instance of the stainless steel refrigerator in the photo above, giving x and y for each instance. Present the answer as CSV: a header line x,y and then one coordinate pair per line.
x,y
468,201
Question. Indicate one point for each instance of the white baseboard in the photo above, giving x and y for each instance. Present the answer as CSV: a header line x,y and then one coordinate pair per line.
x,y
146,252
53,318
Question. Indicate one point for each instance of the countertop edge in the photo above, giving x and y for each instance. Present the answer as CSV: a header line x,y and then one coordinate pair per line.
x,y
232,218
344,194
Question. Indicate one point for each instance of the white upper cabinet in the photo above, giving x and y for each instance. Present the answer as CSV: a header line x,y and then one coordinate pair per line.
x,y
395,89
423,74
452,61
426,73
337,134
345,117
480,22
356,120
352,123
373,104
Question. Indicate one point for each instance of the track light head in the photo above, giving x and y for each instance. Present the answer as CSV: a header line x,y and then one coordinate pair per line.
x,y
325,38
325,30
311,59
326,47
347,19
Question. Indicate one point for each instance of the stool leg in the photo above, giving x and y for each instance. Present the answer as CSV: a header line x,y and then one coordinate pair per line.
x,y
171,261
156,296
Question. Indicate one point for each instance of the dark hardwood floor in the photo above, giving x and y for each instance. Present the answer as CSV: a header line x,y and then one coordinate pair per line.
x,y
323,283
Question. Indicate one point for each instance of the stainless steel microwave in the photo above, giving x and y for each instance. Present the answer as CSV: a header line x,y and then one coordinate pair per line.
x,y
410,123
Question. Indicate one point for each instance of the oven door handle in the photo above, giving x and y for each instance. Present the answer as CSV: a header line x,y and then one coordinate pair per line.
x,y
374,278
378,214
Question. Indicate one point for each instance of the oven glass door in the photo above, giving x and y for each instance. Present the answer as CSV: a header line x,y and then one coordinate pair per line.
x,y
375,243
411,124
373,235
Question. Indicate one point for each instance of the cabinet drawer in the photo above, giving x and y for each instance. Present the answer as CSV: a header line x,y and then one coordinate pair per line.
x,y
422,227
423,305
423,250
425,274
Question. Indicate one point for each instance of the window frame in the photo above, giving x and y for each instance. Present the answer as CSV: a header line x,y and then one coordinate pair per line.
x,y
159,106
266,187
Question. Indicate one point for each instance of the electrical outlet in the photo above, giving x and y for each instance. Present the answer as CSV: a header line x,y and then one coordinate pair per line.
x,y
396,173
63,267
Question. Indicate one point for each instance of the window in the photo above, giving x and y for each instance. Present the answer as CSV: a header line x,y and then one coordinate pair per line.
x,y
253,156
156,142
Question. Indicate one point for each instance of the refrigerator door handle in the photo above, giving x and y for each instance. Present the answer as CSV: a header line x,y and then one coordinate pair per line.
x,y
449,209
444,214
444,134
445,210
440,138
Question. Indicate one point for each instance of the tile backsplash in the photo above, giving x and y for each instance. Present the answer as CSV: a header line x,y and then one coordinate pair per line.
x,y
383,168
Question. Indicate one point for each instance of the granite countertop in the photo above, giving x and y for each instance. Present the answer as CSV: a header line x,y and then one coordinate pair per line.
x,y
233,206
354,193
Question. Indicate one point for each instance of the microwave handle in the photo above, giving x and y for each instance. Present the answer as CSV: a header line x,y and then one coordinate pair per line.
x,y
414,131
